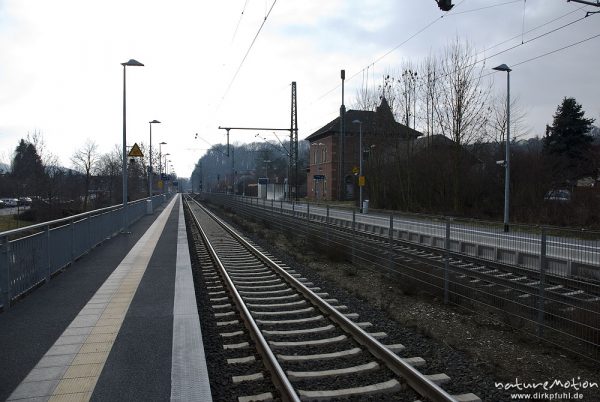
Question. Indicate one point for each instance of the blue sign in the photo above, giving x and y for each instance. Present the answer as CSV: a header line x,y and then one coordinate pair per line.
x,y
319,177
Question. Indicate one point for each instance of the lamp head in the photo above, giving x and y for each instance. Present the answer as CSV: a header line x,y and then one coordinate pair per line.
x,y
357,121
154,121
502,67
132,63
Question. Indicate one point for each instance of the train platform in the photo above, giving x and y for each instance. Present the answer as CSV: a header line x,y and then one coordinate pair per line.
x,y
119,324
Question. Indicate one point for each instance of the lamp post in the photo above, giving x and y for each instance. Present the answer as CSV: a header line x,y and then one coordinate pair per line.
x,y
150,168
160,157
504,67
132,63
360,169
165,166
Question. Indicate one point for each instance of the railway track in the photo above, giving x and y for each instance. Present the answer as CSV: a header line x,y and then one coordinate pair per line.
x,y
309,346
561,295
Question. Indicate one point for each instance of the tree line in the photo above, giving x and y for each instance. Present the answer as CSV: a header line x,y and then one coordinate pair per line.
x,y
93,181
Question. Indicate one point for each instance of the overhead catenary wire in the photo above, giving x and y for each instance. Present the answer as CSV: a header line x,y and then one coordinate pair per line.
x,y
248,51
239,21
372,64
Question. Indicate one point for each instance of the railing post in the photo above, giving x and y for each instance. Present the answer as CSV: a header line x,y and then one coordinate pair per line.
x,y
447,262
89,232
72,226
281,207
5,272
294,209
542,290
272,205
48,271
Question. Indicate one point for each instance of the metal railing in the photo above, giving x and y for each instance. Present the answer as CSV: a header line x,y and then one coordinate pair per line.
x,y
29,256
541,280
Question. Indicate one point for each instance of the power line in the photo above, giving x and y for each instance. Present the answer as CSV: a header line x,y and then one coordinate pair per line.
x,y
485,8
556,50
532,29
372,64
248,51
239,21
477,54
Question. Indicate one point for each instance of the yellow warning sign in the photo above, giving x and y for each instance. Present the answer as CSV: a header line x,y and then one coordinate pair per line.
x,y
136,151
361,181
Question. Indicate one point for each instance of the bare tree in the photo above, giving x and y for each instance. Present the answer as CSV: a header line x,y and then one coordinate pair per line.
x,y
496,129
428,92
110,168
406,92
463,107
85,161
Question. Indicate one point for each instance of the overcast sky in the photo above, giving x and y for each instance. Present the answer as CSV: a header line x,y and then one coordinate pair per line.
x,y
60,71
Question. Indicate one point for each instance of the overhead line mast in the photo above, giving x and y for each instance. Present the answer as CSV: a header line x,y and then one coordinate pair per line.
x,y
293,149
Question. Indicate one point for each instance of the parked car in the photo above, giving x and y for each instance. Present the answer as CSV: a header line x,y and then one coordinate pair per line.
x,y
558,195
25,201
10,202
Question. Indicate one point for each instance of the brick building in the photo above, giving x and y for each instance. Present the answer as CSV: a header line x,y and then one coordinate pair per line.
x,y
380,131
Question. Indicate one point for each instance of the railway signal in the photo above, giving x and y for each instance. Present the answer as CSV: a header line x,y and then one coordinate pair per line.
x,y
444,5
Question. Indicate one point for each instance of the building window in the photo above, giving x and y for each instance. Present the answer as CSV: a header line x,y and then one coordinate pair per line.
x,y
324,155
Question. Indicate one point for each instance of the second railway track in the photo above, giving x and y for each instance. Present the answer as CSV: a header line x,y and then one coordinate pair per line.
x,y
309,346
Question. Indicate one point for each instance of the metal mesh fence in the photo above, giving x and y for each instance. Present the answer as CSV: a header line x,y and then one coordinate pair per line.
x,y
543,281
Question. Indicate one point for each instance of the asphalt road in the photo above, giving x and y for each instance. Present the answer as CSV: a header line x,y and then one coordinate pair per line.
x,y
12,210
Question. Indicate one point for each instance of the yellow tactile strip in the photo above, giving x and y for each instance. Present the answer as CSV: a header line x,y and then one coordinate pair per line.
x,y
70,370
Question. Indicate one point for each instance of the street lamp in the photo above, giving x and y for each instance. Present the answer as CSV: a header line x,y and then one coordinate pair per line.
x,y
150,174
132,63
160,157
165,166
360,169
504,67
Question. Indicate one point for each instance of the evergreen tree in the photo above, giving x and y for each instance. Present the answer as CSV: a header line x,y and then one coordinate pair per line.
x,y
568,141
27,169
569,133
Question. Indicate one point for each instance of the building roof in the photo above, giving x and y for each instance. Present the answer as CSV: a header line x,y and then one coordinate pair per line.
x,y
376,122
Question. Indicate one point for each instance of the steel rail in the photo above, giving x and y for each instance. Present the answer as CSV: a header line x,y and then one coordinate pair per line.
x,y
412,376
280,379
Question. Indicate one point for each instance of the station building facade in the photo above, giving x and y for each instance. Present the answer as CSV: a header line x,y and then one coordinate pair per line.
x,y
380,133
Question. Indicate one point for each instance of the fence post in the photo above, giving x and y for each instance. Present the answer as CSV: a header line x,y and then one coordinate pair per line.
x,y
272,205
5,273
353,234
391,240
281,207
447,262
327,229
48,272
541,296
294,209
307,219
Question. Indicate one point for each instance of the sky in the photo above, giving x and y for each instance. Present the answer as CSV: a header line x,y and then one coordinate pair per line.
x,y
61,73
